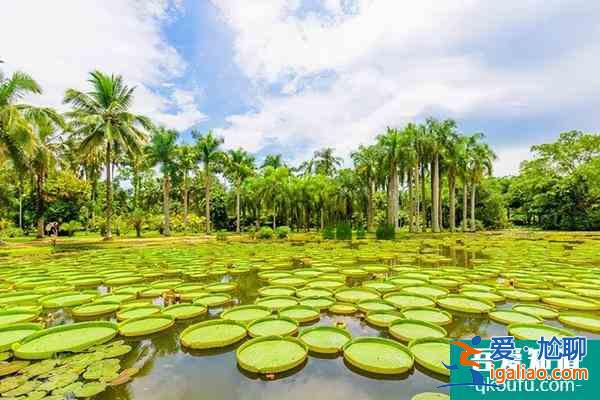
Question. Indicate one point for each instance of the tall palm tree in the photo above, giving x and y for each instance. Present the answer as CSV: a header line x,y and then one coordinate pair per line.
x,y
392,145
273,160
209,153
454,155
481,158
162,151
240,165
326,162
101,118
186,160
365,163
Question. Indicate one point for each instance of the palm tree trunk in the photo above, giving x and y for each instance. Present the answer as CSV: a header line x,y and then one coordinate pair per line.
x,y
423,209
39,186
185,201
207,196
411,200
435,195
274,216
237,205
322,219
20,203
465,210
370,190
417,200
452,201
167,204
473,189
109,194
392,216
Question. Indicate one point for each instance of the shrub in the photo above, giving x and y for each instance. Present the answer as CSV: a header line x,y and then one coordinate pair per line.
x,y
282,232
361,233
137,219
385,232
265,233
69,228
343,231
328,233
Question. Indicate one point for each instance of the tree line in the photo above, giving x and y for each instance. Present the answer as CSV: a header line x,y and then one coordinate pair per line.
x,y
100,166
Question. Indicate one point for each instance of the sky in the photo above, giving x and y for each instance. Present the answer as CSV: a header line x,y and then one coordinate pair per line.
x,y
293,76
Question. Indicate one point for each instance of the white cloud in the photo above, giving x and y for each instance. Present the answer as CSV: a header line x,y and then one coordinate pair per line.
x,y
59,42
392,61
509,159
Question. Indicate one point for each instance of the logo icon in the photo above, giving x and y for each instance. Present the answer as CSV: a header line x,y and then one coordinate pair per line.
x,y
468,351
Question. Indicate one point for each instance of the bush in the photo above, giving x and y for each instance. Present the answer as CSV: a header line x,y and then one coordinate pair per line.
x,y
343,231
385,232
361,233
264,233
69,228
282,232
328,233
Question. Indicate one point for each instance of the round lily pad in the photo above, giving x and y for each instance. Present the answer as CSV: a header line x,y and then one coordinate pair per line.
x,y
355,295
403,300
430,396
380,286
213,300
519,295
410,329
325,339
271,354
375,305
24,297
314,292
535,331
320,303
95,308
223,287
483,295
544,312
456,302
573,303
212,334
185,311
383,319
246,314
13,333
427,290
587,322
16,316
432,354
343,308
300,313
138,311
68,299
330,284
378,355
275,303
508,317
72,337
289,281
276,291
273,326
147,325
428,314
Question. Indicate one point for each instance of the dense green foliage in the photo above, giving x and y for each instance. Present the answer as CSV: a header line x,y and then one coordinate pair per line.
x,y
101,168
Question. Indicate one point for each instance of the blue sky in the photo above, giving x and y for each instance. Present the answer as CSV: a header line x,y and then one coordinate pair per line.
x,y
291,76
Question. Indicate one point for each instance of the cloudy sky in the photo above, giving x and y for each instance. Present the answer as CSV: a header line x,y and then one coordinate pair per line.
x,y
291,76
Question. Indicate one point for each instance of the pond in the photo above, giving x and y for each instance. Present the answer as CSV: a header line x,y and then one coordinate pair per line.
x,y
511,268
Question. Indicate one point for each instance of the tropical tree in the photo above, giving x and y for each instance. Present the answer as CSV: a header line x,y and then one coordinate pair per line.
x,y
365,163
454,155
392,145
481,158
186,160
325,162
239,166
273,160
162,151
208,148
102,118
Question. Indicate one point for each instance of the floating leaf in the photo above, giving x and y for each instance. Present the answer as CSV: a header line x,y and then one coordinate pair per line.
x,y
59,380
90,389
116,351
12,367
25,388
67,389
40,368
105,370
12,382
124,376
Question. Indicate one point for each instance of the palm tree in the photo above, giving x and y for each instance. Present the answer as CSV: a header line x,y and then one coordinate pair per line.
x,y
454,155
365,163
273,160
186,160
326,162
162,151
392,147
101,118
481,158
240,165
209,153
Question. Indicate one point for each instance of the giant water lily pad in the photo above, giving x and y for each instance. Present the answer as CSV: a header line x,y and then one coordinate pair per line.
x,y
325,339
95,308
148,325
378,355
375,305
213,300
343,308
514,317
427,290
271,354
432,354
213,334
403,300
383,319
410,329
544,312
246,314
16,316
587,322
137,312
483,295
19,298
535,331
221,287
185,311
72,337
465,304
277,291
519,295
300,313
15,332
273,326
573,303
431,396
320,303
68,299
355,295
275,303
314,292
428,314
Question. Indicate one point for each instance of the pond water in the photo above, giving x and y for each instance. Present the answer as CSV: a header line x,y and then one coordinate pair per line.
x,y
169,371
